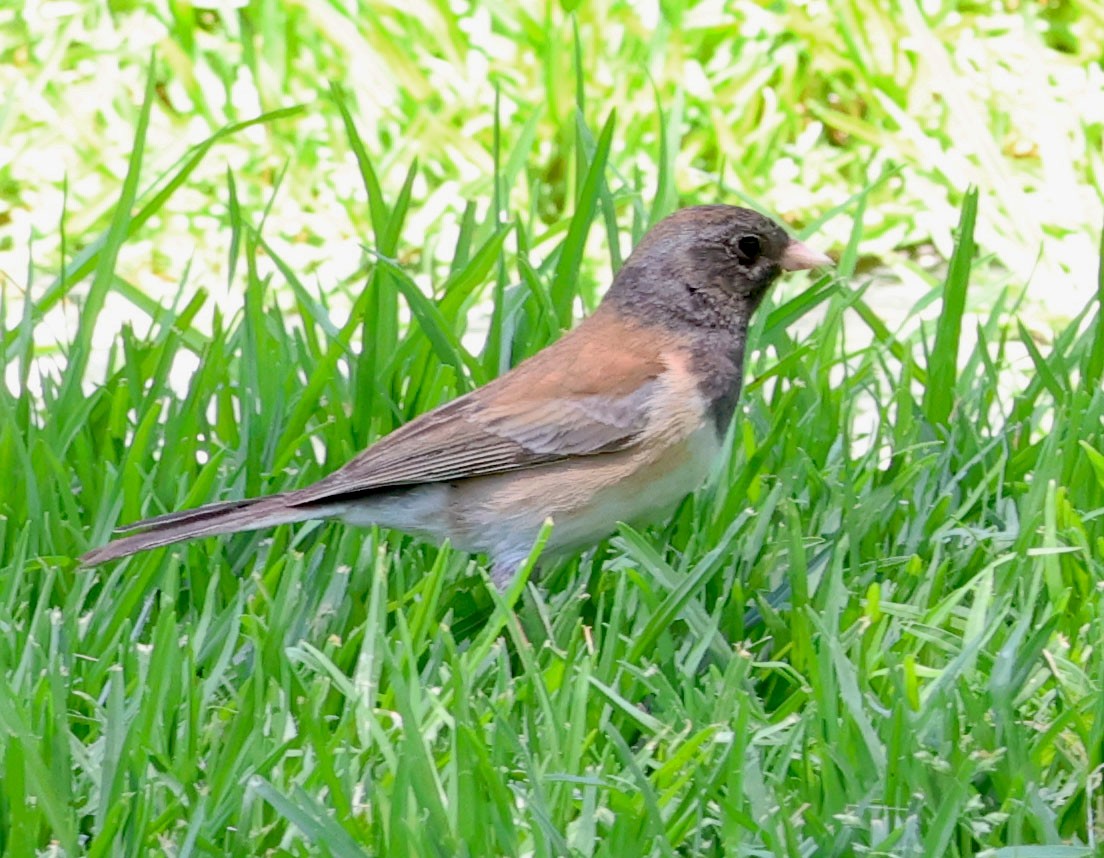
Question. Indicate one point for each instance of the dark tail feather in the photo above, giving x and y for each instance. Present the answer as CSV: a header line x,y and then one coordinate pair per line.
x,y
211,520
199,513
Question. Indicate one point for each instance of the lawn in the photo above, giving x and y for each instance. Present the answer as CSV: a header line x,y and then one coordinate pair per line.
x,y
241,241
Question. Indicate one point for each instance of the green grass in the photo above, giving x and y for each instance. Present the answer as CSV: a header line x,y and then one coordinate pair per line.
x,y
876,631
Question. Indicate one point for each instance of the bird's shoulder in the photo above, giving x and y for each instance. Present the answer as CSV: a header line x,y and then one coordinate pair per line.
x,y
606,386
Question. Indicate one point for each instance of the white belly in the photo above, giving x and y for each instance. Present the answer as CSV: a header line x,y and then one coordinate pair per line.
x,y
646,496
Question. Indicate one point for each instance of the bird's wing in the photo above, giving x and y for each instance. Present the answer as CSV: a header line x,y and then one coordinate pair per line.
x,y
463,441
546,413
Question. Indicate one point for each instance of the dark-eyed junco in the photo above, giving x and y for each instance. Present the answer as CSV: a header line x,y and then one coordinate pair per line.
x,y
617,421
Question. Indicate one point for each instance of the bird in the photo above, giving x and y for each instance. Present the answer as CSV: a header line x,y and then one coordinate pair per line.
x,y
616,421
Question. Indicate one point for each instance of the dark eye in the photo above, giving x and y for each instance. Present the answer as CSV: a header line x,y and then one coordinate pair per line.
x,y
748,249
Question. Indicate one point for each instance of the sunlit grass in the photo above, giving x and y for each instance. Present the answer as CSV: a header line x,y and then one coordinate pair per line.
x,y
794,106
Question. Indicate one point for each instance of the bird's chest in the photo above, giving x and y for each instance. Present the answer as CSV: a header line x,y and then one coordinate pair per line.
x,y
672,461
663,477
642,487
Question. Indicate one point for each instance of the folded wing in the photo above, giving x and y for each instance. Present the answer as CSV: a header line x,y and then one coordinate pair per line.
x,y
478,435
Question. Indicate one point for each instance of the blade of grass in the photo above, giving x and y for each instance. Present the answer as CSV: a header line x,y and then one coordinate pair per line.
x,y
942,387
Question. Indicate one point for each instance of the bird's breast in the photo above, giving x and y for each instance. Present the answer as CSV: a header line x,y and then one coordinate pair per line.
x,y
660,478
586,496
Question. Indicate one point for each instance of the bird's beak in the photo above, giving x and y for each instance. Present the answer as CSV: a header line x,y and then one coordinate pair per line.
x,y
799,257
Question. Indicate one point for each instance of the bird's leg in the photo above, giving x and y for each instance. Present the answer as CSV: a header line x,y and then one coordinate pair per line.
x,y
502,573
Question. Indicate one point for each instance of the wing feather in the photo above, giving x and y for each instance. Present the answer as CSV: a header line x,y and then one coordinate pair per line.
x,y
467,440
584,395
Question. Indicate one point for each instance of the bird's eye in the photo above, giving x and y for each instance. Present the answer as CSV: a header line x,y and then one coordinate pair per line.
x,y
748,249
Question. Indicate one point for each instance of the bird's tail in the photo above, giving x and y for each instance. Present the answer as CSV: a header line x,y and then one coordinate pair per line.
x,y
210,520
